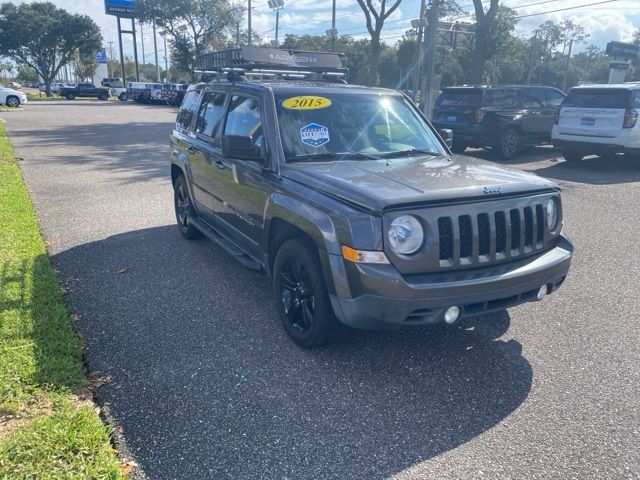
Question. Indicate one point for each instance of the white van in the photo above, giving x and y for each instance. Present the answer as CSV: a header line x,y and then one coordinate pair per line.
x,y
598,120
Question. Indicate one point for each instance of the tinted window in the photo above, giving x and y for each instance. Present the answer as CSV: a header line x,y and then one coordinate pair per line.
x,y
555,98
459,98
210,113
532,98
500,97
244,118
188,110
636,102
598,98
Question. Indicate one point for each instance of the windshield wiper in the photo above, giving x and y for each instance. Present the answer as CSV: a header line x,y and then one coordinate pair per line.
x,y
409,152
312,157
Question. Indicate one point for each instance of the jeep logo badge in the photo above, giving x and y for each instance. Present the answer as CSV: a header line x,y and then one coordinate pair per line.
x,y
492,189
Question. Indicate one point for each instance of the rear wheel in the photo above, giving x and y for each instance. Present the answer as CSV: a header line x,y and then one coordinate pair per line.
x,y
572,155
509,144
70,97
302,297
103,96
184,210
13,101
122,97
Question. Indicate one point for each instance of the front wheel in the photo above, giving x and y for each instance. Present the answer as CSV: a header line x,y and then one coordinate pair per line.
x,y
13,101
123,97
302,297
184,210
572,156
459,147
70,97
103,96
509,144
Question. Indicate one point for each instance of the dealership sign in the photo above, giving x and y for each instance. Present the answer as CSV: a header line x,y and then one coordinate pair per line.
x,y
622,51
123,8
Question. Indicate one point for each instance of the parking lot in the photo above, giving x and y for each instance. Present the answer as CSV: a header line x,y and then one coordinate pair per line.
x,y
200,381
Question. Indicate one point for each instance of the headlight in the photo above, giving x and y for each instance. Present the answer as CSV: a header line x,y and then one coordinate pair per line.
x,y
553,214
406,235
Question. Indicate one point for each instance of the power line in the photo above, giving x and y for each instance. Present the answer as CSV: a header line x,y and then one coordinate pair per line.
x,y
567,8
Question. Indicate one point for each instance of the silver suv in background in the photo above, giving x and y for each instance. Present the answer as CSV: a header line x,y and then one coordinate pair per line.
x,y
598,120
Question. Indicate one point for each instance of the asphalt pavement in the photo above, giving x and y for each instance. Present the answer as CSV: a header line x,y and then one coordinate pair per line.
x,y
202,383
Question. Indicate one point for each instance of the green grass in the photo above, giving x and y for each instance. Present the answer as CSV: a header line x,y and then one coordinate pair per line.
x,y
36,97
47,429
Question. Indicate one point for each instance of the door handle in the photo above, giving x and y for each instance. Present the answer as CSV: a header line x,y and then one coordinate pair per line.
x,y
191,150
219,164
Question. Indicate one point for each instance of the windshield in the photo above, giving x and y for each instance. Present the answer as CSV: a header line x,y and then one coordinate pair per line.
x,y
345,125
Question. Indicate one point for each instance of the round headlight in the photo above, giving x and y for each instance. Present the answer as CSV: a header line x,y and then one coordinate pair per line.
x,y
406,235
553,215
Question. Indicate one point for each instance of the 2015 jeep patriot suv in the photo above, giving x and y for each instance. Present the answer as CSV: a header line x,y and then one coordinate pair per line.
x,y
352,203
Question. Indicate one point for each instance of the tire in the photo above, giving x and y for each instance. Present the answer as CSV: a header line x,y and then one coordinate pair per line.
x,y
509,144
301,295
103,96
459,147
70,97
122,97
13,101
572,155
184,210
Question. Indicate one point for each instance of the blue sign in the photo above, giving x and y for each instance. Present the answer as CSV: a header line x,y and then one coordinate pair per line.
x,y
123,8
314,135
101,56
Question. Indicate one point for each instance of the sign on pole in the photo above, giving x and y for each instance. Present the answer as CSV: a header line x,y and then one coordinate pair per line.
x,y
124,8
101,56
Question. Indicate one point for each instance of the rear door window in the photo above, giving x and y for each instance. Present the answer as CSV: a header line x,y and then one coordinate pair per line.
x,y
189,109
554,98
617,98
210,113
500,97
459,98
532,98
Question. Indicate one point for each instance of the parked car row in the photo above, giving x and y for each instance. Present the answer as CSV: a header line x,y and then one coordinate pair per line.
x,y
591,120
144,92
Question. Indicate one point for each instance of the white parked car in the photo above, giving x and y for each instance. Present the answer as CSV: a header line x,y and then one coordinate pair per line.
x,y
11,97
598,120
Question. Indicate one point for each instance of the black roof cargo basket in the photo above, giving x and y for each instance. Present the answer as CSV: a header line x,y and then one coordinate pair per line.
x,y
268,63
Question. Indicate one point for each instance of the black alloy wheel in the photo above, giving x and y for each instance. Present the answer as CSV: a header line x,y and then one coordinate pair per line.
x,y
184,210
572,155
458,147
123,97
70,97
509,144
302,297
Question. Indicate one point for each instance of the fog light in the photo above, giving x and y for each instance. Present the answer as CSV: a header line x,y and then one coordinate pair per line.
x,y
542,292
452,314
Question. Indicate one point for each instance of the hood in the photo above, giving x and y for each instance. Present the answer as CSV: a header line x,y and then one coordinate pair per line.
x,y
11,91
380,184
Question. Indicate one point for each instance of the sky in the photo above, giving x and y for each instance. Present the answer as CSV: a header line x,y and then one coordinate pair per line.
x,y
615,20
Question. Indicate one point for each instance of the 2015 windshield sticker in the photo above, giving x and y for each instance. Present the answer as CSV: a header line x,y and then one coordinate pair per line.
x,y
306,102
314,135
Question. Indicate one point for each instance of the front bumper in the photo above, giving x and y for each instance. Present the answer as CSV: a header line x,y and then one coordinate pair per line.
x,y
387,299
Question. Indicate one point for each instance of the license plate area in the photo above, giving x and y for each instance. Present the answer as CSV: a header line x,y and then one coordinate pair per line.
x,y
588,122
452,118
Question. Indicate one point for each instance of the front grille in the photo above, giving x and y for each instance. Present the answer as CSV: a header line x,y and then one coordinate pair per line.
x,y
490,236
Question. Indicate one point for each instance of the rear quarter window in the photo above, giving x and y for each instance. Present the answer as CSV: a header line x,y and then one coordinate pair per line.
x,y
598,98
189,109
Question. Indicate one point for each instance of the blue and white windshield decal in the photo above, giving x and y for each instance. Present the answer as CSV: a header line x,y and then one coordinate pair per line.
x,y
314,135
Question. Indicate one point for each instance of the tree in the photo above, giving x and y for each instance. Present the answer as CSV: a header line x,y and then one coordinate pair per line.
x,y
84,68
375,22
192,26
482,44
26,74
45,37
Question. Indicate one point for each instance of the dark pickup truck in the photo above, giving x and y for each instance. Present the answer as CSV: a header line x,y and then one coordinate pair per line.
x,y
87,90
354,206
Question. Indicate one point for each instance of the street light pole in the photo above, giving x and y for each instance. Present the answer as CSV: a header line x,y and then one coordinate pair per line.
x,y
249,24
110,58
277,5
155,50
431,37
333,26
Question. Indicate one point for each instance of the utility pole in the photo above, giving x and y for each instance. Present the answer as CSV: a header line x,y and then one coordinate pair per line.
x,y
334,32
144,58
249,24
110,58
135,49
429,51
417,73
566,67
155,50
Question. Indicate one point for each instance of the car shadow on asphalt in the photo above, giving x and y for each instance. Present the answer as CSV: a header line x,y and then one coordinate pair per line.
x,y
207,385
594,170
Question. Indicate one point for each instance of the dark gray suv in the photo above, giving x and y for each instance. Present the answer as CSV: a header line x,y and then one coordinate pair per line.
x,y
355,207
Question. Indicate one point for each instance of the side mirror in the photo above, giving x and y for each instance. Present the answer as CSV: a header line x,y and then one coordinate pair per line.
x,y
240,146
447,136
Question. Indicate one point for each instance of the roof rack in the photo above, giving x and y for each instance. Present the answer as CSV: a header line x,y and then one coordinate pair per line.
x,y
271,63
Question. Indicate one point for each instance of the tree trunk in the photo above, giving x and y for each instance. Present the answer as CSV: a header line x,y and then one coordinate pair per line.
x,y
479,57
374,61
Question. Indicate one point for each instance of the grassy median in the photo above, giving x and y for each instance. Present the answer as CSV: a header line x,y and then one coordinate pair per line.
x,y
49,427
